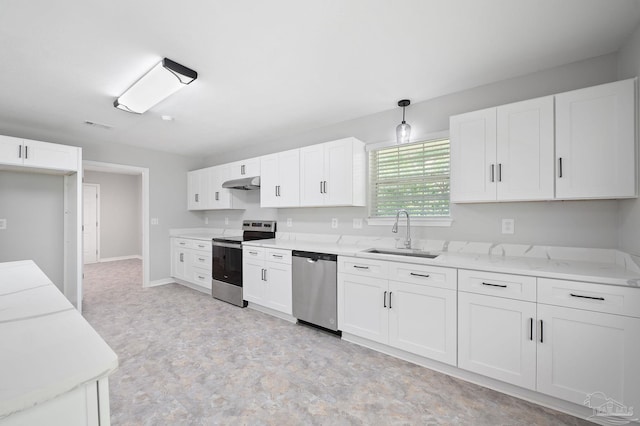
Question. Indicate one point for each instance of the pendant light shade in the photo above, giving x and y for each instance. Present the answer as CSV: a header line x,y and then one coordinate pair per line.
x,y
403,131
166,78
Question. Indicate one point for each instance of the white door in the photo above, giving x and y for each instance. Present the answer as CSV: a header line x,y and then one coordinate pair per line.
x,y
595,142
91,221
312,175
11,150
583,352
473,156
362,301
269,181
278,276
422,320
496,338
289,178
525,150
338,172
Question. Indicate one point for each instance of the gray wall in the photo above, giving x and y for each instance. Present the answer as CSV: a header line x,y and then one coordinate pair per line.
x,y
577,223
120,224
33,205
629,236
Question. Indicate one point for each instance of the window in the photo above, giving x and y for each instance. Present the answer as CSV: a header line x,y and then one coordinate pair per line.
x,y
414,177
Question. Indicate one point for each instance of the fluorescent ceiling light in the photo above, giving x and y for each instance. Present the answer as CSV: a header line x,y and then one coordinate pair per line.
x,y
163,80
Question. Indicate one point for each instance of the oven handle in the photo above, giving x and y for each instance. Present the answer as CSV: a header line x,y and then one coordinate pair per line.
x,y
229,245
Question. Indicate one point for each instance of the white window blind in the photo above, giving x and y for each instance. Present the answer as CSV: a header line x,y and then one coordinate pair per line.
x,y
414,177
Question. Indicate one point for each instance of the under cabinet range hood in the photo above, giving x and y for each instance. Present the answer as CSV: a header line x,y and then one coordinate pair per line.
x,y
245,184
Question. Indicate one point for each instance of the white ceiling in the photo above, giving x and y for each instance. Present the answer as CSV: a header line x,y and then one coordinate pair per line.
x,y
272,68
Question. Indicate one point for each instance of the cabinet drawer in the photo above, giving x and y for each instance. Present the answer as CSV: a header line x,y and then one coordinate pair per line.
x,y
278,255
182,242
422,274
589,296
200,259
518,287
201,245
364,267
253,252
201,277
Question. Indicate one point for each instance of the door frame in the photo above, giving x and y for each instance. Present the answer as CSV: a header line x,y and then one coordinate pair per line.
x,y
99,166
99,222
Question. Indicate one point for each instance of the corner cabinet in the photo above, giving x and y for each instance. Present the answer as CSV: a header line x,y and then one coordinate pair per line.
x,y
205,191
333,174
574,145
596,142
191,262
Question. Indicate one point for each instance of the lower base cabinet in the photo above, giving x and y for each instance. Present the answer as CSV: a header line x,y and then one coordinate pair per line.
x,y
266,278
409,307
191,261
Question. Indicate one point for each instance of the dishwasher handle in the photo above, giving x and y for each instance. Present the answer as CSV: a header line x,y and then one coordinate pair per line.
x,y
314,257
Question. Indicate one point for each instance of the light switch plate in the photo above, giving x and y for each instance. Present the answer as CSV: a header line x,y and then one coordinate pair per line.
x,y
357,223
206,220
508,226
334,222
226,220
289,222
3,223
155,221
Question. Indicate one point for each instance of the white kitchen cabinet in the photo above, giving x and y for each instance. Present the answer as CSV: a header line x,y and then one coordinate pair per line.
x,y
582,352
333,174
205,191
280,179
197,189
266,278
191,261
245,168
596,142
406,306
496,338
503,153
39,155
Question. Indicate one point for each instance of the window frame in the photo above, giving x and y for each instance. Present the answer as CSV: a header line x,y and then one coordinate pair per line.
x,y
435,221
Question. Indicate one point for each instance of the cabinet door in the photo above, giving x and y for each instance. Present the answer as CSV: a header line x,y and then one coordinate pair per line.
x,y
312,175
253,285
473,156
582,352
496,339
11,150
222,198
289,178
278,296
269,180
179,262
525,150
50,155
362,307
194,190
245,168
338,173
595,142
422,320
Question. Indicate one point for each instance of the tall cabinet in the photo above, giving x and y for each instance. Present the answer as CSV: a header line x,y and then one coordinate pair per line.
x,y
26,155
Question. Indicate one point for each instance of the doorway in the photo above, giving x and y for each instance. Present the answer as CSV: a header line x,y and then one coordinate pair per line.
x,y
91,222
143,219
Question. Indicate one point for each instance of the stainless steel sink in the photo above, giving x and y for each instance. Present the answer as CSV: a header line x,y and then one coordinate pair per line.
x,y
403,252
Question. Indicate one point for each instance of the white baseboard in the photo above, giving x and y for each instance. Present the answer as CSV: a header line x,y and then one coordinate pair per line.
x,y
162,281
272,312
113,259
192,286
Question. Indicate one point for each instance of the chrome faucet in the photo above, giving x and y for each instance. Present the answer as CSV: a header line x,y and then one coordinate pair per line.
x,y
407,241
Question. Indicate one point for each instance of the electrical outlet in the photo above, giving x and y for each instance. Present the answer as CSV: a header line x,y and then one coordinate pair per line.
x,y
357,223
3,223
289,222
206,220
226,220
334,222
155,221
508,226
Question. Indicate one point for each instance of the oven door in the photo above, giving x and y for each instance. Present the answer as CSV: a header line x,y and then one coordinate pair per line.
x,y
227,263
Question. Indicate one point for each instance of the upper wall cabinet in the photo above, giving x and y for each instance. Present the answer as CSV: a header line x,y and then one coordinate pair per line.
x,y
595,142
280,179
503,153
36,154
205,191
333,174
507,153
244,168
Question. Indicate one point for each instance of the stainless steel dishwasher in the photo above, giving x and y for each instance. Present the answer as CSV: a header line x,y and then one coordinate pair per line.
x,y
315,292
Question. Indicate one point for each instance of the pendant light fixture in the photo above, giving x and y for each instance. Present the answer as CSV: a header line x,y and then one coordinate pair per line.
x,y
166,78
403,131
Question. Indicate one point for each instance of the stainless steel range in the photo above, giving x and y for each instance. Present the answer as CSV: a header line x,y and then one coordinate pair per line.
x,y
227,260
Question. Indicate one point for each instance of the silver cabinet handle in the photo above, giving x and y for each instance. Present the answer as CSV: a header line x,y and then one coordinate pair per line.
x,y
201,259
390,293
26,152
253,252
183,244
541,333
586,297
499,172
384,300
325,186
419,275
531,329
217,196
201,245
197,198
181,257
360,267
277,256
275,188
495,285
321,188
242,169
201,277
19,151
493,168
560,167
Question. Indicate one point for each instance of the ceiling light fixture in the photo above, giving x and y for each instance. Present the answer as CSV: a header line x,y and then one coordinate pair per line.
x,y
163,80
403,131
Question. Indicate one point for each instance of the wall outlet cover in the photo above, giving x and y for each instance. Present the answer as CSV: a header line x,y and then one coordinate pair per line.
x,y
508,226
226,220
289,222
3,223
206,220
357,223
155,221
334,222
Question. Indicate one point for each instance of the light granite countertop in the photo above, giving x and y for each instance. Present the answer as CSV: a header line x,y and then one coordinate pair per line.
x,y
48,348
576,264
